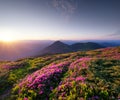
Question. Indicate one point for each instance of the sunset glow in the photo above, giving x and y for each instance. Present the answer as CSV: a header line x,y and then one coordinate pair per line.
x,y
6,38
60,19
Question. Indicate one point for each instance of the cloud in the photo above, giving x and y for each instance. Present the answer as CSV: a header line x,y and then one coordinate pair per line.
x,y
115,35
67,7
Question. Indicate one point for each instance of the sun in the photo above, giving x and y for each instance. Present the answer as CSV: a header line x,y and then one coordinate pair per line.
x,y
6,38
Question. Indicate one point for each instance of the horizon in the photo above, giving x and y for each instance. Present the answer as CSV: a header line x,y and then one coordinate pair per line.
x,y
12,51
59,20
89,40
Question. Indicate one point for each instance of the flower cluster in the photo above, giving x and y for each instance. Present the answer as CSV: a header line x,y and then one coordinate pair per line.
x,y
80,63
85,80
112,53
42,81
74,81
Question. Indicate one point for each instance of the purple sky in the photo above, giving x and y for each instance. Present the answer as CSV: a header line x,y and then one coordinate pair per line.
x,y
60,19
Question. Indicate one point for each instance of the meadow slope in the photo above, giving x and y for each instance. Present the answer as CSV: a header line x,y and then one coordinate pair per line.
x,y
91,75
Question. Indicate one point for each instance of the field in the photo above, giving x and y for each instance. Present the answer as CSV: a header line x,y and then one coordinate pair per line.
x,y
91,75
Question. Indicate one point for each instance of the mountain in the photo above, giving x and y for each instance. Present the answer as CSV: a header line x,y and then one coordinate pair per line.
x,y
85,46
29,48
110,44
60,47
105,43
56,47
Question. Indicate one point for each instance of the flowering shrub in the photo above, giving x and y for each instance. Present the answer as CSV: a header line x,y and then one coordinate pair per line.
x,y
113,53
89,79
41,83
12,72
71,86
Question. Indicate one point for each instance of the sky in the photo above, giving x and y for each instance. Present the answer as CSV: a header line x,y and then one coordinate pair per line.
x,y
60,19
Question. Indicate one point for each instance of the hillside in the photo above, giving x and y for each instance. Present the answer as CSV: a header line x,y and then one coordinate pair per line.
x,y
60,47
90,75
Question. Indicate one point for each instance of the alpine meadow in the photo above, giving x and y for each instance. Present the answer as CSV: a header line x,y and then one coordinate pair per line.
x,y
59,49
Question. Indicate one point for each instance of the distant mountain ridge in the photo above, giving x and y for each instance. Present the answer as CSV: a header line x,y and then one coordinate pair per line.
x,y
60,47
33,48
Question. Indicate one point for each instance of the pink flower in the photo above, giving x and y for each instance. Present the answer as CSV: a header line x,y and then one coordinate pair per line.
x,y
80,78
25,98
41,92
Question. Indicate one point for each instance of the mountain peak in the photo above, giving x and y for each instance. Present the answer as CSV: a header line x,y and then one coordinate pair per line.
x,y
60,47
58,42
57,47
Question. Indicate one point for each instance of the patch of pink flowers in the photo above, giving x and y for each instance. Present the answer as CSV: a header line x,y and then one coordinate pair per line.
x,y
25,98
112,53
44,80
80,78
74,76
80,63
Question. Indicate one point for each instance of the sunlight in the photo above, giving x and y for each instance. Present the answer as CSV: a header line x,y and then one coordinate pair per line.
x,y
6,38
